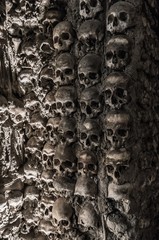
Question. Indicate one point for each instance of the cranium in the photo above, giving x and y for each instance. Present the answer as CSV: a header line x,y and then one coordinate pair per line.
x,y
52,128
64,69
26,80
46,46
119,192
121,17
46,227
63,36
46,206
117,129
48,155
115,90
49,103
62,214
17,113
37,121
46,181
31,194
117,166
46,78
89,70
90,134
32,168
90,33
64,161
87,163
85,187
118,53
89,8
64,186
67,130
65,99
31,101
90,102
88,217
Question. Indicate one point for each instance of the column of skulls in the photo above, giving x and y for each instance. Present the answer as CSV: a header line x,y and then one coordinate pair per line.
x,y
89,50
120,120
60,106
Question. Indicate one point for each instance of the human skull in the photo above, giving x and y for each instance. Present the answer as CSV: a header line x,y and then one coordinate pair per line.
x,y
117,166
117,129
64,161
119,192
37,121
31,101
67,130
62,214
46,227
48,155
26,80
87,163
89,8
31,194
90,33
90,102
32,168
115,90
46,78
89,70
46,206
49,103
121,17
17,114
64,69
63,185
65,99
63,36
118,53
86,187
52,129
90,134
46,181
88,217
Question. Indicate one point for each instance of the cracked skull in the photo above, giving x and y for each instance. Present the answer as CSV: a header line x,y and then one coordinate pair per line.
x,y
115,90
117,129
118,53
64,69
89,70
62,214
63,36
90,134
90,33
87,163
89,8
65,99
121,16
117,166
91,102
67,130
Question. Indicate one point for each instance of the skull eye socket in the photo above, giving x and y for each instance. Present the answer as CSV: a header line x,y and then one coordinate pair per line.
x,y
93,3
95,104
44,157
83,135
65,36
47,106
123,16
68,71
109,55
92,75
58,73
109,132
91,167
122,169
59,105
56,39
110,18
94,138
56,162
18,118
80,165
42,206
67,164
48,128
69,104
82,104
83,4
69,134
64,223
81,76
122,132
120,92
110,168
122,54
108,93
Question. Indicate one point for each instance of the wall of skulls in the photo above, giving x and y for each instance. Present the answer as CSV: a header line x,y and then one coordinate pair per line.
x,y
79,119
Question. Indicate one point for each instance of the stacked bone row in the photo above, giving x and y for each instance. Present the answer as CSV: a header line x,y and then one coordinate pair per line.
x,y
118,123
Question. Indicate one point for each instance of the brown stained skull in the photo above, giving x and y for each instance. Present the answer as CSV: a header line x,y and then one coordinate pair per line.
x,y
118,53
87,164
117,131
52,129
62,214
67,130
65,100
89,8
63,36
90,134
121,17
64,161
48,153
91,102
64,69
118,167
89,70
90,33
115,90
86,187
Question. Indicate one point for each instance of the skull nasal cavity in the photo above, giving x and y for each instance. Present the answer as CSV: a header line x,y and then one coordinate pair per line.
x,y
88,109
115,22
